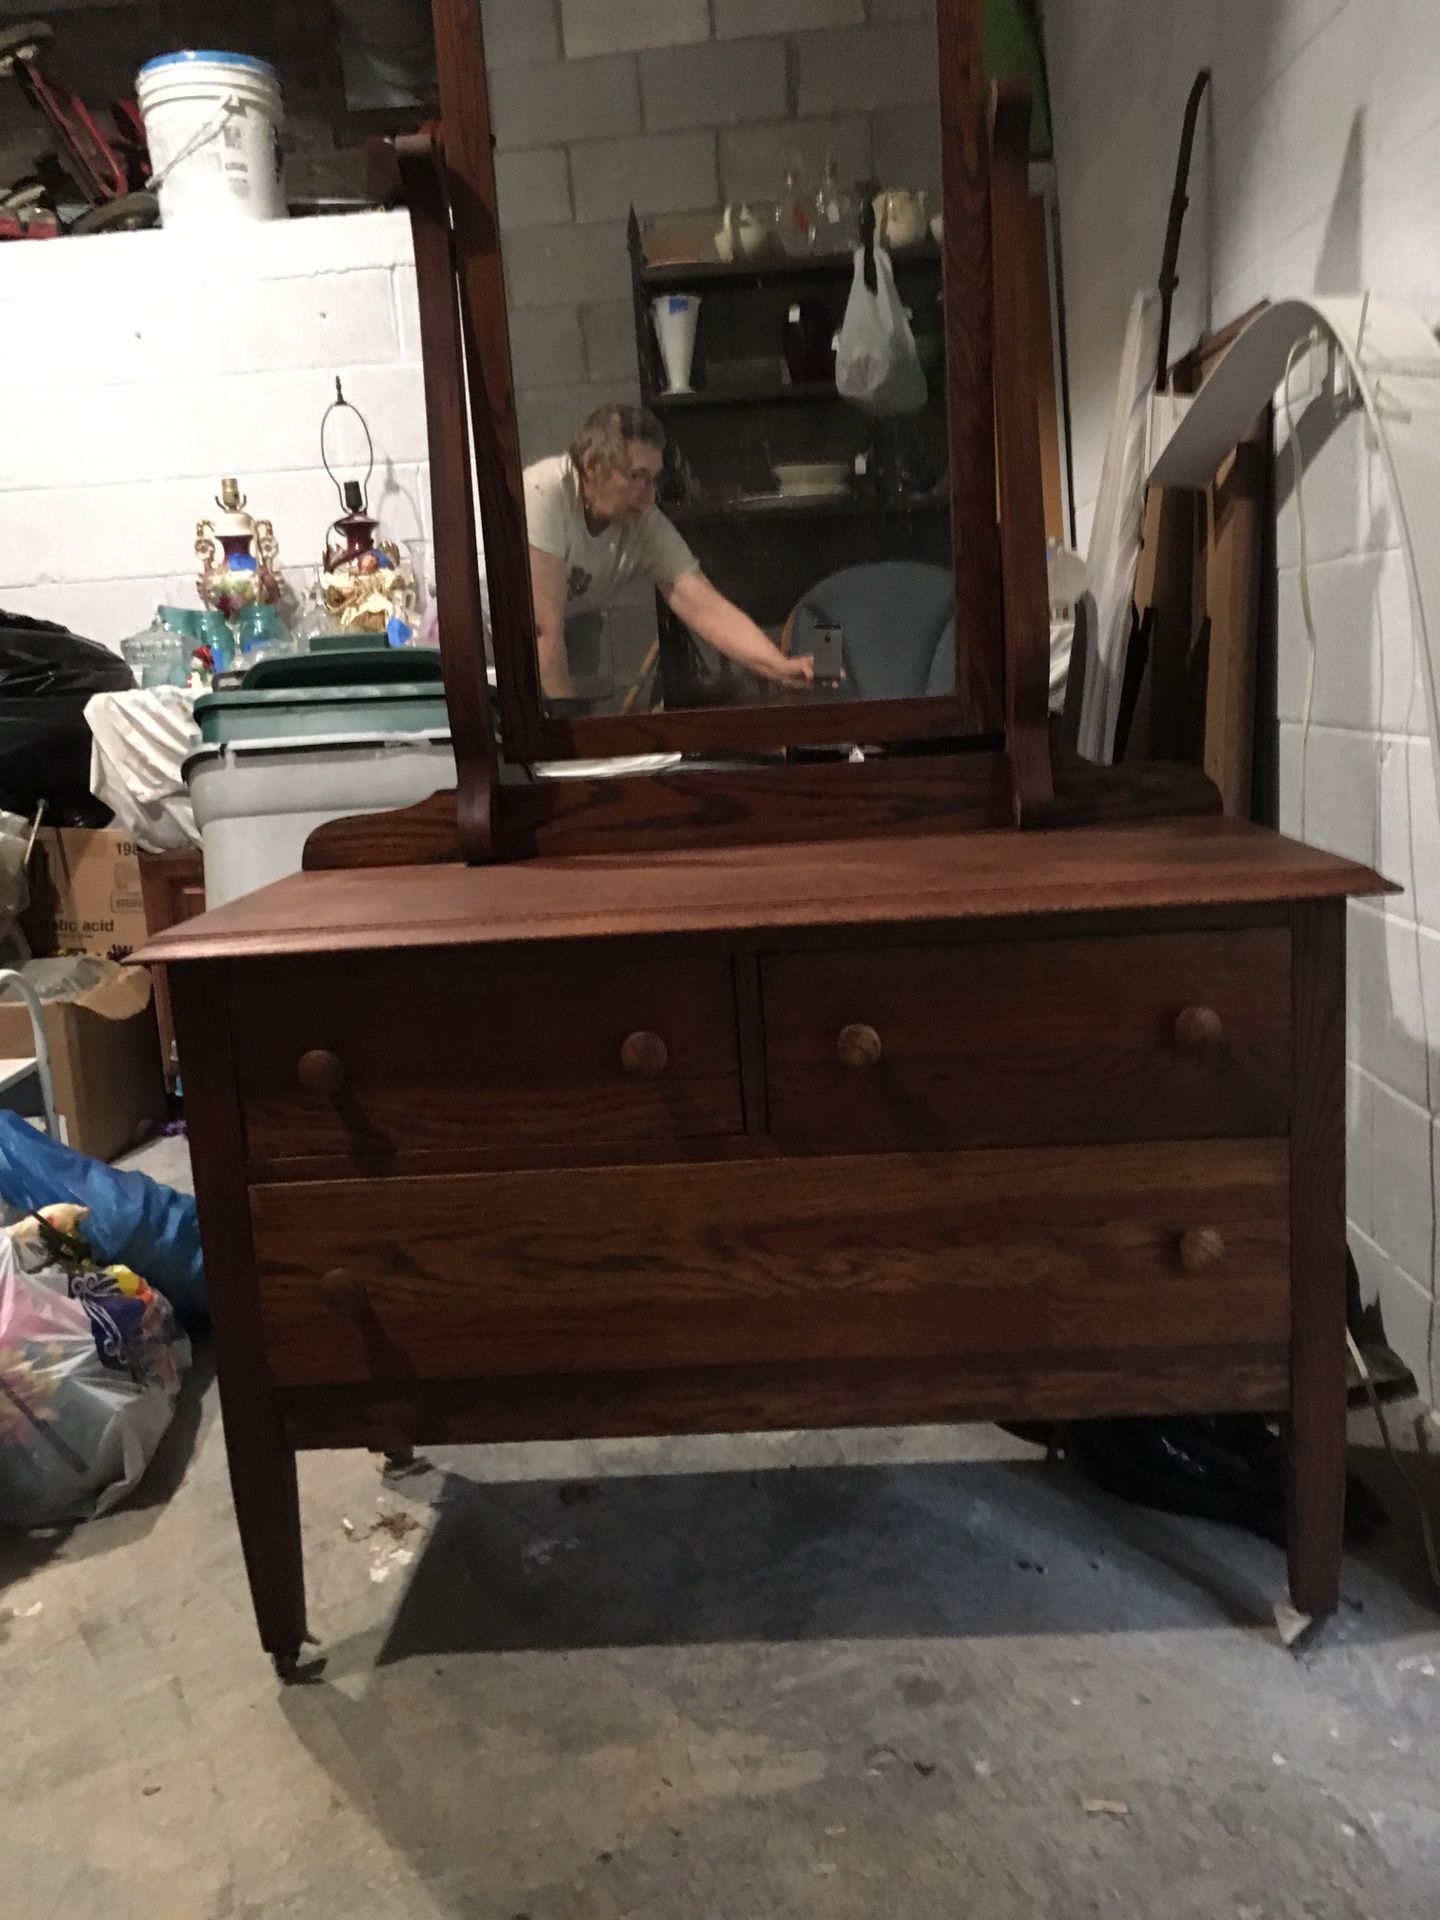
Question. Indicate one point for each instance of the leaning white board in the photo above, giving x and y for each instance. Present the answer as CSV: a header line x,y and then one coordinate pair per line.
x,y
1395,363
1114,549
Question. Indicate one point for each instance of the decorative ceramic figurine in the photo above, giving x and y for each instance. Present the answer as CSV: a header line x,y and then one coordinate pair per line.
x,y
245,571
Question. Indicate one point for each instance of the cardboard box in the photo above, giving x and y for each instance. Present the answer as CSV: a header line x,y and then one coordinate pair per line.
x,y
104,1053
85,893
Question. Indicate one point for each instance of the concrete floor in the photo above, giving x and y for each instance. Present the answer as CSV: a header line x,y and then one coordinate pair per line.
x,y
883,1674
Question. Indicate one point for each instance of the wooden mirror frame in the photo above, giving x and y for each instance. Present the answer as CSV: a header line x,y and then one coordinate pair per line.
x,y
975,710
995,756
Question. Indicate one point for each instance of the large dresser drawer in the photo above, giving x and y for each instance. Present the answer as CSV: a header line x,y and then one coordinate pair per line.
x,y
449,1051
1118,1251
1144,1036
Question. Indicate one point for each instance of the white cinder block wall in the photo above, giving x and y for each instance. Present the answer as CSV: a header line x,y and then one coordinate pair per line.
x,y
1317,169
142,367
674,107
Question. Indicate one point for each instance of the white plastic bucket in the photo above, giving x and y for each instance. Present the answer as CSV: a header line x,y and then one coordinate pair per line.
x,y
212,123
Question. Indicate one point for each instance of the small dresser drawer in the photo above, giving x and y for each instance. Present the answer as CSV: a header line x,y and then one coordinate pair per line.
x,y
1144,1036
1116,1253
379,1056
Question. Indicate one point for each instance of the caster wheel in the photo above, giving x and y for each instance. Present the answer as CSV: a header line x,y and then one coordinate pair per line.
x,y
296,1670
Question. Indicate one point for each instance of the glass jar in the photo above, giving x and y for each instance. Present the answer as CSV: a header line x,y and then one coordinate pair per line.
x,y
157,657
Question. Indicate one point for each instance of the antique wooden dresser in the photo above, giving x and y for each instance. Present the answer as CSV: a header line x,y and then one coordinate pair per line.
x,y
966,1084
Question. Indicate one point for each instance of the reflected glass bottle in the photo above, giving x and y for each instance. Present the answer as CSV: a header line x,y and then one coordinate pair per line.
x,y
835,223
795,212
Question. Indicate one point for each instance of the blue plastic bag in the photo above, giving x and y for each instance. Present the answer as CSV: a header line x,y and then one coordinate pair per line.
x,y
133,1218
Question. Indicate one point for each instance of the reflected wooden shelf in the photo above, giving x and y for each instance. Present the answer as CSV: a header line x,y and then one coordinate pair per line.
x,y
830,506
683,278
795,394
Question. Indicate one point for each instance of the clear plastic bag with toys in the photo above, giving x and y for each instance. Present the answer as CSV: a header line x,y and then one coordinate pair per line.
x,y
91,1362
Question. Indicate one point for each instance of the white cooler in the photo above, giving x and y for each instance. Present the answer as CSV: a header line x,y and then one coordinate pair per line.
x,y
258,801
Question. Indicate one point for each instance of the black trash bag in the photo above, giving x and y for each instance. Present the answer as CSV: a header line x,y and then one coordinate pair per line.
x,y
47,674
1225,1467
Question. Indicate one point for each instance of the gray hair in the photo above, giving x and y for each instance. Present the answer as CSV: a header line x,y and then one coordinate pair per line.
x,y
604,436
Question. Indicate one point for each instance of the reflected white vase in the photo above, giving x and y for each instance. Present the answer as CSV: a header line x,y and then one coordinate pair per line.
x,y
676,317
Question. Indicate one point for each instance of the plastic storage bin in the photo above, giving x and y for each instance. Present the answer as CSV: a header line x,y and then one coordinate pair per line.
x,y
258,801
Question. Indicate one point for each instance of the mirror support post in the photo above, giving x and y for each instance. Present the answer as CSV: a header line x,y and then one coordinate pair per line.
x,y
1024,590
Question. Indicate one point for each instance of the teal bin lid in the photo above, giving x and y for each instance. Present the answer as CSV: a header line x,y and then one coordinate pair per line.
x,y
394,668
275,713
241,699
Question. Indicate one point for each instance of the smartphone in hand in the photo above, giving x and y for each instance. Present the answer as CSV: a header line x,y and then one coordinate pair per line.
x,y
824,645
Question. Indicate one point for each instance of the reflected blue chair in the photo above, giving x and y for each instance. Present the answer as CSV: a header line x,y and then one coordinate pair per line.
x,y
896,620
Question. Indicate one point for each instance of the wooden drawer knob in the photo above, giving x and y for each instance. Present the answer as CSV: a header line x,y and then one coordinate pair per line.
x,y
1197,1028
644,1056
321,1073
1201,1250
341,1287
859,1046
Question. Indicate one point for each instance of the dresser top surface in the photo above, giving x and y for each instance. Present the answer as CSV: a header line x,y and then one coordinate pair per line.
x,y
925,879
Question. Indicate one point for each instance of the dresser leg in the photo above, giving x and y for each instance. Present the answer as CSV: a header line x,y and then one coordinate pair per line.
x,y
262,1462
267,1512
1317,1257
1317,1497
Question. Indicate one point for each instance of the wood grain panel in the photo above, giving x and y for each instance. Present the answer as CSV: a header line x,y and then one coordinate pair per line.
x,y
448,1051
1033,1042
798,719
261,1462
742,807
1235,1378
1024,590
420,162
1024,1253
470,160
751,806
1240,513
1317,1424
955,878
970,396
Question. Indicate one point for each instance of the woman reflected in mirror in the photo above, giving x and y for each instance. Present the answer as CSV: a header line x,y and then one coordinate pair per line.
x,y
594,530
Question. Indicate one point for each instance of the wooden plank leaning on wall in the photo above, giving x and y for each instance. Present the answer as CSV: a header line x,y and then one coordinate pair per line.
x,y
1201,580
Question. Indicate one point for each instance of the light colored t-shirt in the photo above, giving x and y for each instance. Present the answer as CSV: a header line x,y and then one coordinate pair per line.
x,y
599,567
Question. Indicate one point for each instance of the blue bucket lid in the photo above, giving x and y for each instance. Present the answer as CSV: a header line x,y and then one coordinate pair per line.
x,y
247,60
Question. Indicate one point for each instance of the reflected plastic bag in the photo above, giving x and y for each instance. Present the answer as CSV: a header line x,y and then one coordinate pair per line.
x,y
876,364
133,1218
87,1388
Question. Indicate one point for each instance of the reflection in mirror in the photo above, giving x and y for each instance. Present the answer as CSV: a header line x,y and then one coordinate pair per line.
x,y
724,293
